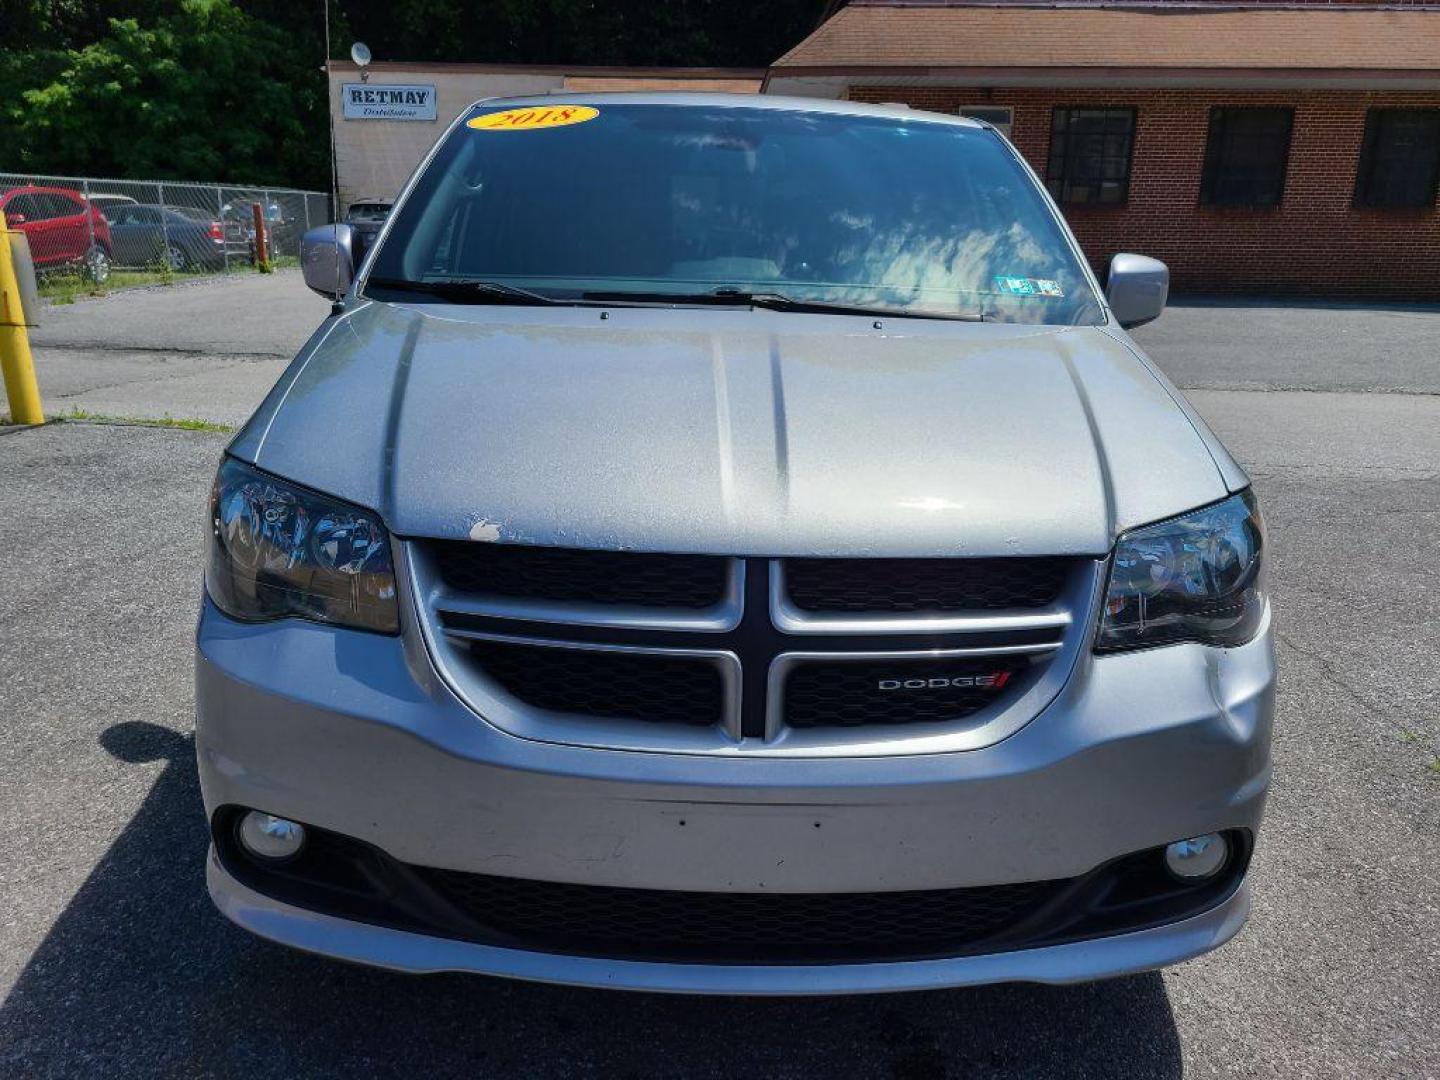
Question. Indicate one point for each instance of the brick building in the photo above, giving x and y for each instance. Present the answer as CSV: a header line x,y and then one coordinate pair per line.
x,y
1260,147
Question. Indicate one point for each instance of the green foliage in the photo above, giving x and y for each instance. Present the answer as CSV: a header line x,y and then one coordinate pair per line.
x,y
233,89
204,91
688,33
65,287
183,423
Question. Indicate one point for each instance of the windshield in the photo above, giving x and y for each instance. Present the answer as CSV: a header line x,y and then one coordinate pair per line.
x,y
669,201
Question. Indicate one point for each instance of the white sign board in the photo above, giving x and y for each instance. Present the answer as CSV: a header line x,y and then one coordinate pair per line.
x,y
387,101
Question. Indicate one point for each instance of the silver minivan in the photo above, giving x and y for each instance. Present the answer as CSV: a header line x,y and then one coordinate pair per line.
x,y
731,545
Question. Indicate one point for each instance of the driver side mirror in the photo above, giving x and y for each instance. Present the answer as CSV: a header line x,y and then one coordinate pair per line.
x,y
327,259
14,219
1137,289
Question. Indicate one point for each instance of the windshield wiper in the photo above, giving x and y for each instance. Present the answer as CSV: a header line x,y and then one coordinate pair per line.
x,y
467,290
774,301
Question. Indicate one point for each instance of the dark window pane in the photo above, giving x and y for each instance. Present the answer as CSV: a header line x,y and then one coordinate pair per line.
x,y
57,205
1400,158
24,205
999,116
1245,157
1090,155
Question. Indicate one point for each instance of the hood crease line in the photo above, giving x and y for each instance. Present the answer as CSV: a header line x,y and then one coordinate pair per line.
x,y
392,416
781,423
1101,453
724,435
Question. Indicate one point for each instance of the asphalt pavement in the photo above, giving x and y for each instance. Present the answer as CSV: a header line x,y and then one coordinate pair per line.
x,y
202,350
113,963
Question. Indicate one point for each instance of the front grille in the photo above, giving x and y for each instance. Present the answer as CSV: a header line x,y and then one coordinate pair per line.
x,y
843,694
924,585
635,686
748,652
735,927
579,576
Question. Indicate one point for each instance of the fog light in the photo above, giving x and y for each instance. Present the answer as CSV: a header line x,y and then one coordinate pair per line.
x,y
269,837
1198,857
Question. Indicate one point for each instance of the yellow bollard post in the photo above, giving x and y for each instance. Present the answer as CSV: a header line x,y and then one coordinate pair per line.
x,y
15,359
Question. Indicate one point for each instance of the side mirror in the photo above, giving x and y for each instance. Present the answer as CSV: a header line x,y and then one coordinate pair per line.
x,y
14,219
327,259
1137,289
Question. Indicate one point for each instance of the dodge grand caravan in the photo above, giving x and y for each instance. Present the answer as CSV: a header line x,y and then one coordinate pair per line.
x,y
731,544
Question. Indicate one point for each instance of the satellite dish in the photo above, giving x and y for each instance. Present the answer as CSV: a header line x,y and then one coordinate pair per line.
x,y
360,53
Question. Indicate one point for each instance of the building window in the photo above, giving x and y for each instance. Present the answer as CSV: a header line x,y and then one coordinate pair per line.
x,y
1400,158
1245,157
997,116
1090,155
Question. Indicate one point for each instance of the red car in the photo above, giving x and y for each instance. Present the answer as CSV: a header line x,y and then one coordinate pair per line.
x,y
62,228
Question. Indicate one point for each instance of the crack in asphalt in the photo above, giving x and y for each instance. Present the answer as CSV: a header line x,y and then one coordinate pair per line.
x,y
1327,670
1237,388
110,348
222,362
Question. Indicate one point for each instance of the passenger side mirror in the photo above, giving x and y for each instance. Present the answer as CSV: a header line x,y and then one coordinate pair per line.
x,y
14,219
327,259
1137,289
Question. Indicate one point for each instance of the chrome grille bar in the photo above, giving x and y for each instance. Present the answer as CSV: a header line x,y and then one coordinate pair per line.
x,y
754,638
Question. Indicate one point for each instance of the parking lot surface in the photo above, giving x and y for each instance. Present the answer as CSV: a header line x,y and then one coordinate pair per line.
x,y
113,963
207,349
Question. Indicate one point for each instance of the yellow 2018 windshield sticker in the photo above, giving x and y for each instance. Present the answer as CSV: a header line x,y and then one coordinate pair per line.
x,y
533,117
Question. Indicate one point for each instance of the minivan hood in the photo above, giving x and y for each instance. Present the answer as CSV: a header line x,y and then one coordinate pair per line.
x,y
736,431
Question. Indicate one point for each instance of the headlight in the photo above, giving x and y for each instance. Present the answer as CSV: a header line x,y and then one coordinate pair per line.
x,y
279,550
1193,578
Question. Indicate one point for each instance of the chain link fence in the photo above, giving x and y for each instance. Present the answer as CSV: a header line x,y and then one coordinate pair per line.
x,y
116,232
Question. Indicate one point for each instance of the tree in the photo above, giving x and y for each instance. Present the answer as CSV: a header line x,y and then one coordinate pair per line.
x,y
691,33
202,93
232,90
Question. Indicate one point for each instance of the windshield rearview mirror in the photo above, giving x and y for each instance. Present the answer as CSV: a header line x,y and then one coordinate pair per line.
x,y
327,258
1137,289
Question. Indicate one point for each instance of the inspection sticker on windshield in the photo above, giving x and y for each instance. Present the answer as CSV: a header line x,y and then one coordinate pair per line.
x,y
1028,286
533,118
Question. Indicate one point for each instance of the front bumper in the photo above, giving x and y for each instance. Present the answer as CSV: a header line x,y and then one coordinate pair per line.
x,y
398,950
355,733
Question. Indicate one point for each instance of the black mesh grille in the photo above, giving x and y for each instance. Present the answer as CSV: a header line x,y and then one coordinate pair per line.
x,y
338,875
668,925
583,577
855,693
924,585
658,689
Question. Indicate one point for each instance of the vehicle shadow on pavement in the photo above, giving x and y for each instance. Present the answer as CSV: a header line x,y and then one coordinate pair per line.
x,y
140,976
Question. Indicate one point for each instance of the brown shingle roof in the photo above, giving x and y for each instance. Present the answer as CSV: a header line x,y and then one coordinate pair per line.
x,y
1010,37
654,84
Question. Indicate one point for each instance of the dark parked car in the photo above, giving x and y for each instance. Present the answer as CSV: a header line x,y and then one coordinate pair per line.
x,y
366,217
61,228
142,235
282,233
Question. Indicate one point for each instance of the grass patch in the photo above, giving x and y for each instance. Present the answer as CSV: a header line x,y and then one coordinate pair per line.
x,y
65,288
68,286
182,423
